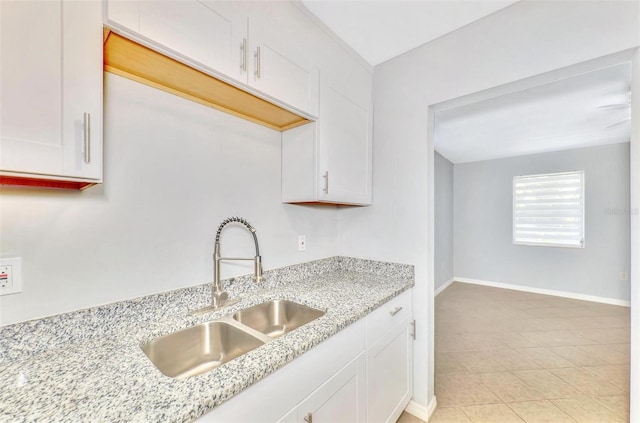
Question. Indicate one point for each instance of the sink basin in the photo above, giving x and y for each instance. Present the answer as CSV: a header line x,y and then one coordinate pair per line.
x,y
198,349
275,318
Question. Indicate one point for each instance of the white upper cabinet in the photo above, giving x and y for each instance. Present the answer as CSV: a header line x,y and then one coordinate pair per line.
x,y
212,33
279,62
345,148
51,90
330,161
231,39
274,50
209,32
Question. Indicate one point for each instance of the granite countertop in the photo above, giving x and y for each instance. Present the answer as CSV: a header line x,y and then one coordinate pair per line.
x,y
88,366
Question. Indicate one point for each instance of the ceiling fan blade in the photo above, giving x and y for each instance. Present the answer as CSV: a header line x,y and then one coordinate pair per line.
x,y
618,123
614,106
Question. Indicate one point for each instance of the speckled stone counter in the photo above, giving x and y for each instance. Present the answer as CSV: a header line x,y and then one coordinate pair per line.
x,y
88,365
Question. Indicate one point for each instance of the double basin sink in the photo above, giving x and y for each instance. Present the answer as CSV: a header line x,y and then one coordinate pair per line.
x,y
195,350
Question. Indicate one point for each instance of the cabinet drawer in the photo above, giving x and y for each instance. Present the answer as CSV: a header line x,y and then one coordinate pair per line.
x,y
380,321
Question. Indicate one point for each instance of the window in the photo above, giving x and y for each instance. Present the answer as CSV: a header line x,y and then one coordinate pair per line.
x,y
549,209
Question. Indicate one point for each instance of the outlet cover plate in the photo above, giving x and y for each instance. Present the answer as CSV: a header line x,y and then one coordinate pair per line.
x,y
10,276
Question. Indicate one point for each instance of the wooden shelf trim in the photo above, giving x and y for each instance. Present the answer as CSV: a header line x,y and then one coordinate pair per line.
x,y
43,183
131,60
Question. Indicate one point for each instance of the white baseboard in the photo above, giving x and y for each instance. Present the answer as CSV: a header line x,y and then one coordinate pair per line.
x,y
420,411
443,287
564,294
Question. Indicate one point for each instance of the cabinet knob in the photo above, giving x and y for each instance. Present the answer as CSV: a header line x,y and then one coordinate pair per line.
x,y
309,418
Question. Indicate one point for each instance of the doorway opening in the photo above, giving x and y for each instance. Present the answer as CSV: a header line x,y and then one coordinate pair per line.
x,y
595,96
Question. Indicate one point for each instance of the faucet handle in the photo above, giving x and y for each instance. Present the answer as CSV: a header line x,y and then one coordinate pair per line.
x,y
219,298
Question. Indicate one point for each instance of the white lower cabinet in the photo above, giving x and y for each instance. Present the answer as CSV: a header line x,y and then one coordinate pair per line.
x,y
290,417
361,374
274,397
340,399
389,359
389,378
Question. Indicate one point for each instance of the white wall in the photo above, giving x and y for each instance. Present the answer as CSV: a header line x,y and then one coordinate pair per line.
x,y
525,39
483,231
443,256
174,170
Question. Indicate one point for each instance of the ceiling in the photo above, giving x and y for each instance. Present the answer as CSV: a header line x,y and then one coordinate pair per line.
x,y
381,29
558,116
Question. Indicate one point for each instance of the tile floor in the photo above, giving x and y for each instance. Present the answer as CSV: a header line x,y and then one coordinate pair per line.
x,y
510,356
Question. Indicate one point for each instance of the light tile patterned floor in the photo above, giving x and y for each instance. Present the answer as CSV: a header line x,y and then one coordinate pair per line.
x,y
510,356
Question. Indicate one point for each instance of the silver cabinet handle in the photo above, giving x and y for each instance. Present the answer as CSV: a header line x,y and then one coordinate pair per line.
x,y
258,64
395,311
309,418
326,182
87,138
243,55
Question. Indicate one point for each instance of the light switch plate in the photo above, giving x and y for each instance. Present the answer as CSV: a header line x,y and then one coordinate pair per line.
x,y
10,276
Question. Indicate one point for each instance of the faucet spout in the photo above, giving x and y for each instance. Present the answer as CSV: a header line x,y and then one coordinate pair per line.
x,y
245,223
257,259
219,297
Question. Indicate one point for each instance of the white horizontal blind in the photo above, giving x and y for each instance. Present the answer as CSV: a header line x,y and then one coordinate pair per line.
x,y
549,209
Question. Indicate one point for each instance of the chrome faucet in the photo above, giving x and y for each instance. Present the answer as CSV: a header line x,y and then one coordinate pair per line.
x,y
219,297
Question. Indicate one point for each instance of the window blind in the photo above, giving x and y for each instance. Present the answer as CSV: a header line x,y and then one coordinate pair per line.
x,y
548,209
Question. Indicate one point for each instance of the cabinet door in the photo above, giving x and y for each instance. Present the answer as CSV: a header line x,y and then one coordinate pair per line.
x,y
51,88
210,32
124,13
82,75
345,145
389,377
290,417
341,399
279,70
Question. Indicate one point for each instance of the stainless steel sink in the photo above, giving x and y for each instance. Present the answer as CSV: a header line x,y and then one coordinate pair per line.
x,y
275,318
200,348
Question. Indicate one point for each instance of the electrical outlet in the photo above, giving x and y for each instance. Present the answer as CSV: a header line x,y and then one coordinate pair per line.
x,y
10,276
6,276
302,243
624,276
